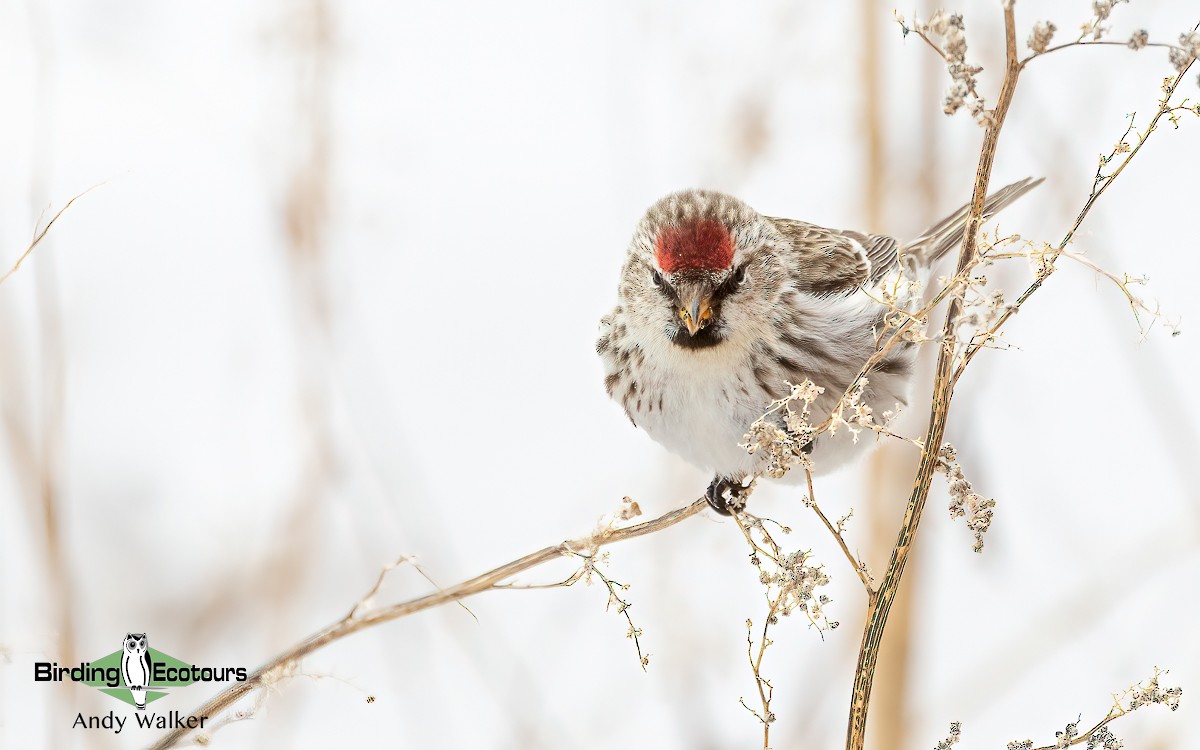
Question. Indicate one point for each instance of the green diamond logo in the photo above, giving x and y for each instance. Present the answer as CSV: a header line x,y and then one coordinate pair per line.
x,y
145,673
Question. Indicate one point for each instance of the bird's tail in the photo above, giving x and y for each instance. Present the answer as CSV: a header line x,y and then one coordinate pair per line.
x,y
947,234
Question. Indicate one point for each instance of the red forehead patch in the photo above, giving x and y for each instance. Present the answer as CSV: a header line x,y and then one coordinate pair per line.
x,y
702,244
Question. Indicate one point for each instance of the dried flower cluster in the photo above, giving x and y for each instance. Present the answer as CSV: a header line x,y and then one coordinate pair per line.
x,y
1100,736
952,738
1103,739
964,502
792,585
795,583
1153,693
1187,51
605,526
1138,39
784,431
861,414
1066,736
902,293
1094,30
1040,36
982,308
962,92
1101,10
790,580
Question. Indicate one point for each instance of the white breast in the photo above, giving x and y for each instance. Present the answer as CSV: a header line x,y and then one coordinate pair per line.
x,y
699,414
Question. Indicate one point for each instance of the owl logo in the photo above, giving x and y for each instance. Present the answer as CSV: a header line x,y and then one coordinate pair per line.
x,y
135,667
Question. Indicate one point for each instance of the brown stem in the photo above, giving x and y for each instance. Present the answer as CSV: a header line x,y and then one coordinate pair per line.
x,y
837,534
1099,186
880,603
1078,43
268,673
42,234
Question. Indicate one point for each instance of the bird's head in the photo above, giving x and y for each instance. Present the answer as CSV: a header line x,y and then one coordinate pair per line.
x,y
699,269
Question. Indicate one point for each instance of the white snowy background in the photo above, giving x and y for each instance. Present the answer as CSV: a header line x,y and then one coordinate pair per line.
x,y
240,423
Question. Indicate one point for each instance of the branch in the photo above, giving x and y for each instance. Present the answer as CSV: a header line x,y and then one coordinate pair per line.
x,y
791,584
1099,735
766,691
1100,184
590,568
859,566
270,673
1102,43
40,235
880,603
947,374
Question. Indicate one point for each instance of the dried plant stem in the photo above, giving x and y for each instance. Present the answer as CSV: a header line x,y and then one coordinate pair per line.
x,y
1114,714
771,554
880,602
39,236
357,620
1137,305
1099,186
790,586
766,691
590,568
1095,43
857,564
947,373
1098,735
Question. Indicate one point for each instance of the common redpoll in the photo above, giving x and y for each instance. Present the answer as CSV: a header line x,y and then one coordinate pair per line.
x,y
721,308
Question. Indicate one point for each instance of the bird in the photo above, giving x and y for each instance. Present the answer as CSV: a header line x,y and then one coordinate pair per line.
x,y
720,309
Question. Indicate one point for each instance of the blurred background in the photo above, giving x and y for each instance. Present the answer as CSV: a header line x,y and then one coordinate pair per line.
x,y
335,301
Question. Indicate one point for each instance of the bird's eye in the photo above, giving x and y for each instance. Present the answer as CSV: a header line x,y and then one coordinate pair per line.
x,y
656,277
735,279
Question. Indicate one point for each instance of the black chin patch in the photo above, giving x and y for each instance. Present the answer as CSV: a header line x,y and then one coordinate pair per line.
x,y
704,338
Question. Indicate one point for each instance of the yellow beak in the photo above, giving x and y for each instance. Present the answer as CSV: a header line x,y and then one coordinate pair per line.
x,y
696,314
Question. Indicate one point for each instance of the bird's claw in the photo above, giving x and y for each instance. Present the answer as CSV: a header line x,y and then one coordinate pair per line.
x,y
726,496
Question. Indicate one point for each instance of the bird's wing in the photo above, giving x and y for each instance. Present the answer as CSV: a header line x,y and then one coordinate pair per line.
x,y
832,262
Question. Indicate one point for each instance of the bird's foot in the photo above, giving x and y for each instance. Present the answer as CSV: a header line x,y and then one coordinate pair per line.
x,y
726,495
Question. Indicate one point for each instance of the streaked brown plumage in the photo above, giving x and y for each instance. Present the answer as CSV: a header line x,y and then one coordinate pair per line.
x,y
720,308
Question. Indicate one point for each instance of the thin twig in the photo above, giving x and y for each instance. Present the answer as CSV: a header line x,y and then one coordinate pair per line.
x,y
1102,43
766,691
771,554
1100,184
268,673
791,584
1125,703
859,567
590,568
1136,304
40,235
